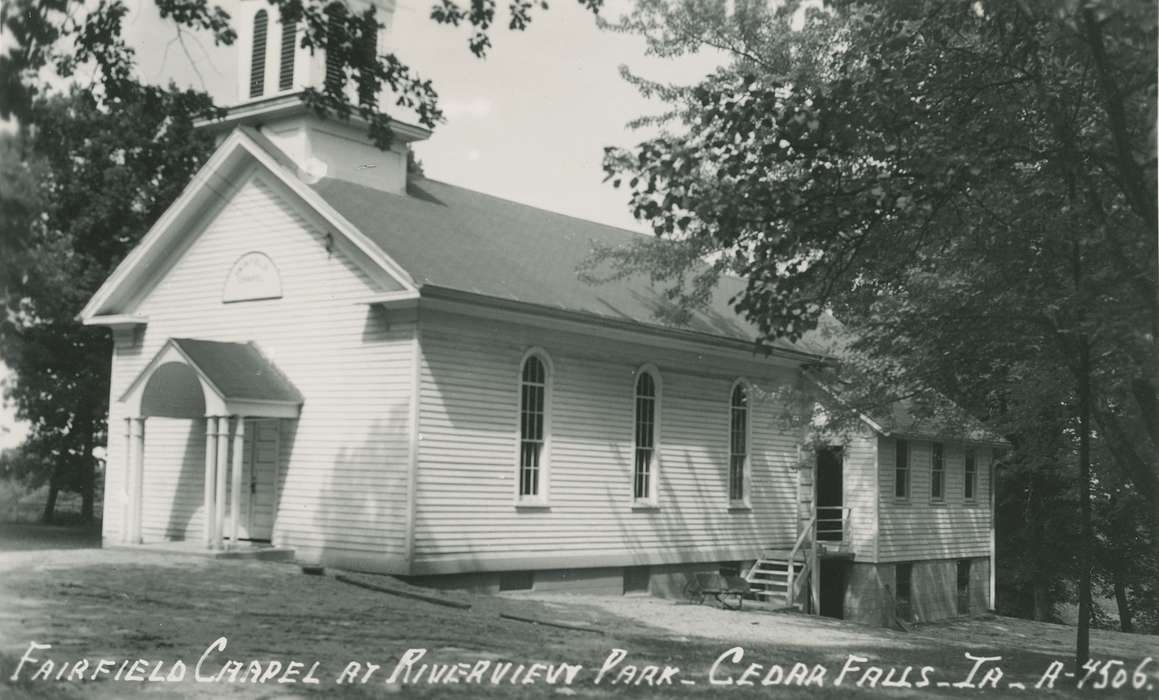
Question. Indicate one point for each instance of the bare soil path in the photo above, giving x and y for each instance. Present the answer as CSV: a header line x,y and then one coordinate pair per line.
x,y
91,604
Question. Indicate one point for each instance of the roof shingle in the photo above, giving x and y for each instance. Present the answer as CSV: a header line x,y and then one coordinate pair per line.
x,y
452,238
239,370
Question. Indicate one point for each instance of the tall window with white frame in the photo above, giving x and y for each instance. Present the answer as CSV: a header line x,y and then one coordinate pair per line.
x,y
738,444
970,474
644,474
937,474
532,414
901,470
258,56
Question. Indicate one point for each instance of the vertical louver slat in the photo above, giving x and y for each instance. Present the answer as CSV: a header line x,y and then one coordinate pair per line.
x,y
258,61
286,69
334,37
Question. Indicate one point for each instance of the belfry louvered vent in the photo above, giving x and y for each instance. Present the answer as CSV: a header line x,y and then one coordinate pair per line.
x,y
286,69
258,62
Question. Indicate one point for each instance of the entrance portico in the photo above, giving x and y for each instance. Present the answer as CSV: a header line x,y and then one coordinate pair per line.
x,y
227,385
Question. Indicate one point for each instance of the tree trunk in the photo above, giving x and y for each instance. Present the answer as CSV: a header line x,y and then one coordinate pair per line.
x,y
50,504
1042,608
1083,638
1121,599
88,475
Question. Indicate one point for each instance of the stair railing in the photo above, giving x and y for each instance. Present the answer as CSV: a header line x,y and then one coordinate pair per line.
x,y
790,588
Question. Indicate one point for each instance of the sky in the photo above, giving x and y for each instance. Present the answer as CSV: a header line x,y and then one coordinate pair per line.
x,y
528,123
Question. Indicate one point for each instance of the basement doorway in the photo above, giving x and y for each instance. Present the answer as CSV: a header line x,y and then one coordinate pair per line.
x,y
833,574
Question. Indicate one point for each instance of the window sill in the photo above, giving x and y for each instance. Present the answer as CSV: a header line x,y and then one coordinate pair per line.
x,y
739,507
901,501
937,504
645,507
532,505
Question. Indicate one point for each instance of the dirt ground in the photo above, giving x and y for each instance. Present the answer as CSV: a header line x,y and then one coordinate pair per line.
x,y
91,604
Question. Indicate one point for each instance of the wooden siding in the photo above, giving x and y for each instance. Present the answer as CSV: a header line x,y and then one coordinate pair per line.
x,y
174,479
344,462
916,528
860,473
466,518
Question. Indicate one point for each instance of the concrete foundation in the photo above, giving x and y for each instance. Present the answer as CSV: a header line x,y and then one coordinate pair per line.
x,y
869,595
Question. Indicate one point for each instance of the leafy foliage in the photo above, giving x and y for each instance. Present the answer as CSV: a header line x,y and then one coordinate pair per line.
x,y
88,184
968,186
63,35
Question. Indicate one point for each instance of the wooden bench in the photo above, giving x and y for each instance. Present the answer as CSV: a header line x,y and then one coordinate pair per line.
x,y
729,591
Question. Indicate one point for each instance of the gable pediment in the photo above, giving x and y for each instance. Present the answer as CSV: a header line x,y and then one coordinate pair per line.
x,y
243,159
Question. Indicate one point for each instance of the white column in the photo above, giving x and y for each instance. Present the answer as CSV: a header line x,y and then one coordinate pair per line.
x,y
127,485
235,485
222,465
210,509
138,475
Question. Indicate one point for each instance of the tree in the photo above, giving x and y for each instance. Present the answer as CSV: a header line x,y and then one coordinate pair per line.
x,y
89,184
969,186
63,35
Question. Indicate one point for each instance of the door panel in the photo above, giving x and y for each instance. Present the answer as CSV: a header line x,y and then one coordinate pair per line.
x,y
260,489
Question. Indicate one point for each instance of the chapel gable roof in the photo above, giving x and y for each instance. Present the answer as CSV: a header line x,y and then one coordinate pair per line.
x,y
448,237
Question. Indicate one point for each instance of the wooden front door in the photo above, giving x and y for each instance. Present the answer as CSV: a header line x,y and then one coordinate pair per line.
x,y
259,479
830,494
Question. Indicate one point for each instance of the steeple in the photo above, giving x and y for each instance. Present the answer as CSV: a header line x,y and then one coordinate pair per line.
x,y
273,69
271,60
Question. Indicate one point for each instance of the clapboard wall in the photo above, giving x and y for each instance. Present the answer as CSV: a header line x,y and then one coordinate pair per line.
x,y
466,516
918,528
344,462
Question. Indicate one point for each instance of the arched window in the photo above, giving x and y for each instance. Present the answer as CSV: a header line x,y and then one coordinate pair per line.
x,y
534,416
258,59
644,474
738,451
286,67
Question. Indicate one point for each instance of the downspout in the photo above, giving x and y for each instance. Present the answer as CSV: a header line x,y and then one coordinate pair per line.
x,y
993,540
413,447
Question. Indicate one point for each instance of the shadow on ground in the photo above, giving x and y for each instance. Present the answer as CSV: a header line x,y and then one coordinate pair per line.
x,y
24,537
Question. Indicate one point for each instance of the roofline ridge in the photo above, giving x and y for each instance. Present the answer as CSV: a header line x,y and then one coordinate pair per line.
x,y
590,222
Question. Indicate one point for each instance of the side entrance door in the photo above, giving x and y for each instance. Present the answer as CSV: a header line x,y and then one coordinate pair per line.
x,y
830,494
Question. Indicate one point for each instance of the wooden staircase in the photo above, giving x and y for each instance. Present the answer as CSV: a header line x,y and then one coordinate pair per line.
x,y
771,576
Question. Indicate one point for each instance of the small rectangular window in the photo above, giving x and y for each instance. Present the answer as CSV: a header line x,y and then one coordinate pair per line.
x,y
937,474
516,580
637,579
901,470
970,487
903,579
